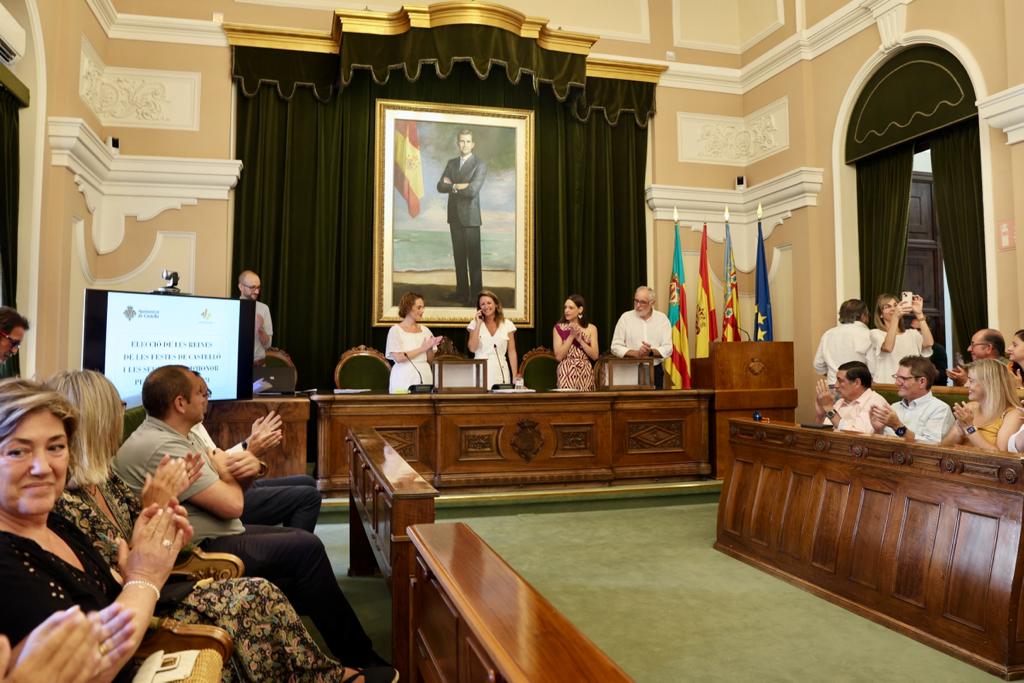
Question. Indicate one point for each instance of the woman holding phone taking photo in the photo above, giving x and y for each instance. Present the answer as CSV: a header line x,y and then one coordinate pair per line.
x,y
891,341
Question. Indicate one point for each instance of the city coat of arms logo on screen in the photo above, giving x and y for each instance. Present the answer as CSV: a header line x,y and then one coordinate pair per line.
x,y
453,210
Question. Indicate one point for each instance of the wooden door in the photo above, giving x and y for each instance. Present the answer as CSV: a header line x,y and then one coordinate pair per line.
x,y
923,272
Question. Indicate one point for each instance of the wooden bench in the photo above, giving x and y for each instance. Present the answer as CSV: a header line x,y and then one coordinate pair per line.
x,y
923,539
475,619
386,496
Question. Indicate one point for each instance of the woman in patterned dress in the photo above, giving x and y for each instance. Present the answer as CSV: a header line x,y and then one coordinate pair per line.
x,y
575,344
271,643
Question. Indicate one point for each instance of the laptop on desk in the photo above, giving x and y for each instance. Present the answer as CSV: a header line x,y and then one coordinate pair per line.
x,y
276,379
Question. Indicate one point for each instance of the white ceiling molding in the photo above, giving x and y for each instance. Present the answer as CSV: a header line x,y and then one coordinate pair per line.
x,y
729,48
1005,110
117,186
123,26
846,22
734,140
138,98
779,198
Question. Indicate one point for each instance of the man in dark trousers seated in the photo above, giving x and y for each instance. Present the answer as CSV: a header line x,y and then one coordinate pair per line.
x,y
175,399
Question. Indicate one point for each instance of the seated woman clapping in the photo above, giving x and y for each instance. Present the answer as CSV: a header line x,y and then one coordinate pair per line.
x,y
992,414
46,564
270,640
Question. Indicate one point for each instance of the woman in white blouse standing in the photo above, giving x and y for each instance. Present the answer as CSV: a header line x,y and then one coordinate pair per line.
x,y
890,341
492,336
411,346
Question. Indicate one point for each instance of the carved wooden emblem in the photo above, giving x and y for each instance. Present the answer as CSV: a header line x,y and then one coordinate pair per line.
x,y
527,441
902,458
821,445
574,440
858,451
949,464
789,440
1009,475
657,435
760,434
403,440
755,366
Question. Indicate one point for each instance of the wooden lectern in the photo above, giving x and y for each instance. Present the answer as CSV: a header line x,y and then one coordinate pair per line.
x,y
746,376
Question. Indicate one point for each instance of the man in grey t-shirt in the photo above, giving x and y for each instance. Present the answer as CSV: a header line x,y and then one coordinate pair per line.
x,y
249,287
175,399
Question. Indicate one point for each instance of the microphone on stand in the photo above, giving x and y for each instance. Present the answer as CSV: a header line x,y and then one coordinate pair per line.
x,y
501,366
422,387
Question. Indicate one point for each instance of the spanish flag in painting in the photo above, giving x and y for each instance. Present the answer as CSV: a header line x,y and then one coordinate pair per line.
x,y
707,322
763,297
408,171
678,369
731,316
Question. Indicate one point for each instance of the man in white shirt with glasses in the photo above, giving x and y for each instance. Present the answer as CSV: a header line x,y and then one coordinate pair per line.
x,y
918,416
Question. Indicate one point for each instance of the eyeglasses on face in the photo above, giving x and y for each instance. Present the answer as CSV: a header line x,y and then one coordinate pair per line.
x,y
903,378
980,343
15,343
641,301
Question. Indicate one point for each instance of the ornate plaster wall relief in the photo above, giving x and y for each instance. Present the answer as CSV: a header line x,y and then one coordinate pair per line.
x,y
139,98
734,140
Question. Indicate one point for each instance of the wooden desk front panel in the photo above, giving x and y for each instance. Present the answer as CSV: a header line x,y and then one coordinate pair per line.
x,y
406,422
495,440
923,539
660,435
230,422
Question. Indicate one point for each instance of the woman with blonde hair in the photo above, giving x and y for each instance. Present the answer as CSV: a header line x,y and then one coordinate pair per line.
x,y
270,640
992,414
891,341
492,337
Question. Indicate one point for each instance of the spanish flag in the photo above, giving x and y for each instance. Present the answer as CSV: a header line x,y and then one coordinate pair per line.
x,y
707,323
678,367
408,172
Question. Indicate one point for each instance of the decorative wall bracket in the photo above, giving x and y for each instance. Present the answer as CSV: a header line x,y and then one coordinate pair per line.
x,y
1005,110
117,186
779,198
891,18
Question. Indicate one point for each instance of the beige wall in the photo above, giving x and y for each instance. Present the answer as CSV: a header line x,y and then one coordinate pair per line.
x,y
805,287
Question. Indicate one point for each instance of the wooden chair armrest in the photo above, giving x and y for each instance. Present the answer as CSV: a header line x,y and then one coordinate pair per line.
x,y
172,636
203,565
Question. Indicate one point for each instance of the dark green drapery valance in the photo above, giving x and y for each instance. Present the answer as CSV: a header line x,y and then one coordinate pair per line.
x,y
440,48
286,70
916,92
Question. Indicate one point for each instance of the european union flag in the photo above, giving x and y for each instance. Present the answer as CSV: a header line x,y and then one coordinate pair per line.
x,y
763,297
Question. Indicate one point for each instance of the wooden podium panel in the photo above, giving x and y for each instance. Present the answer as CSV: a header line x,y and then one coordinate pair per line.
x,y
230,422
523,439
746,376
923,539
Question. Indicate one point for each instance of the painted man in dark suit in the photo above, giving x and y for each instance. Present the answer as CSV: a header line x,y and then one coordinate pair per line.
x,y
462,181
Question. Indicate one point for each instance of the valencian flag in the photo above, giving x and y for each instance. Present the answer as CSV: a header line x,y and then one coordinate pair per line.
x,y
731,316
678,370
707,323
763,298
408,172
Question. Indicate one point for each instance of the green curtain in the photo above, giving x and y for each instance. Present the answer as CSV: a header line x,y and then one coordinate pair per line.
x,y
304,209
10,105
956,165
883,204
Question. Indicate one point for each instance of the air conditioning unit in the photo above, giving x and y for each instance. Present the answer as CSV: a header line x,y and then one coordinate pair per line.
x,y
12,38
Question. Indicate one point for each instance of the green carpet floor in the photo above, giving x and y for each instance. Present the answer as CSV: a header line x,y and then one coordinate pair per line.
x,y
642,581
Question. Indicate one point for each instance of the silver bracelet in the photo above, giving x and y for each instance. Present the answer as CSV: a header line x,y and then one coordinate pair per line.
x,y
147,584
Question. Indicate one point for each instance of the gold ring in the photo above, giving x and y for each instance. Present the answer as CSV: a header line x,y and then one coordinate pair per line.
x,y
104,649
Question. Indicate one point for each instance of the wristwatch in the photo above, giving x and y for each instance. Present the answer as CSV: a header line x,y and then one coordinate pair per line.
x,y
970,429
901,431
830,414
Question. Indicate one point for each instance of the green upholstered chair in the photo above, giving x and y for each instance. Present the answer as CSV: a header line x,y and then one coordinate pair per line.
x,y
362,367
133,417
950,395
539,369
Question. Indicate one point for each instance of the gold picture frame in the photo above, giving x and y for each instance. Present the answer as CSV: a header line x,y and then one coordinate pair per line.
x,y
421,221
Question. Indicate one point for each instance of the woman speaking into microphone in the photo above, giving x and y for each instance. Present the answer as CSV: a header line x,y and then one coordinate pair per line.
x,y
492,336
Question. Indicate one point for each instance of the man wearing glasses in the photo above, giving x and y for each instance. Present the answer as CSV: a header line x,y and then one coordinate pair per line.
x,y
13,326
987,343
249,288
644,333
918,416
